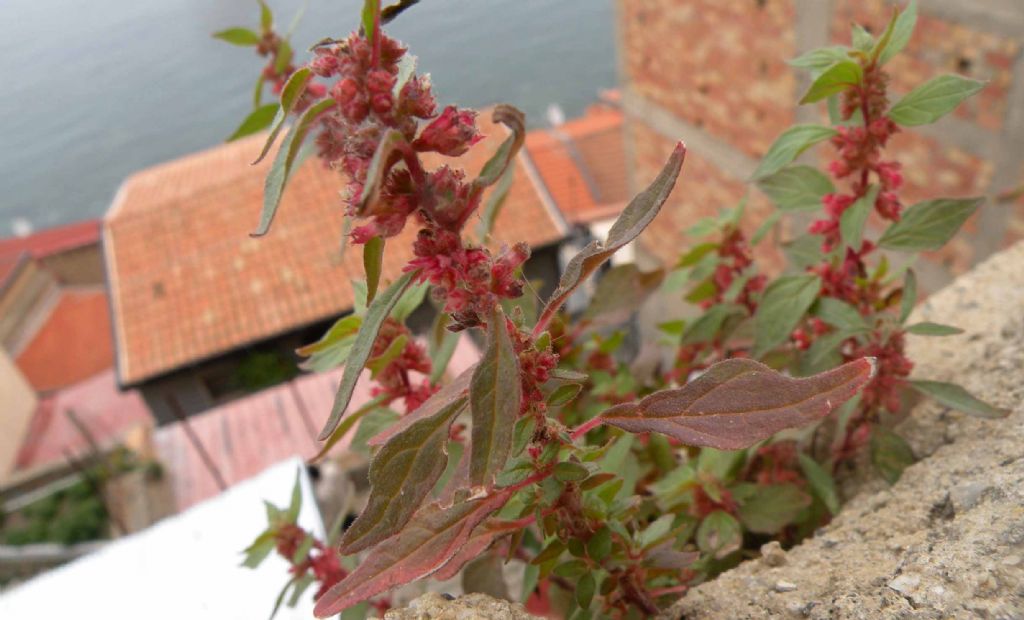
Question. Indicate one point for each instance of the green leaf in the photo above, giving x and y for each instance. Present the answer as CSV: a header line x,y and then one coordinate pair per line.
x,y
722,465
377,173
362,347
333,348
409,301
258,120
280,597
927,328
494,397
586,585
839,77
739,402
861,38
281,170
769,508
371,13
238,36
373,262
492,205
696,253
637,215
656,531
839,314
266,16
295,505
402,474
442,345
377,364
952,395
804,251
620,292
564,394
821,483
302,550
505,154
797,188
890,454
346,425
259,549
290,93
824,352
901,31
600,544
708,325
784,303
719,534
933,100
852,221
284,56
909,295
930,224
570,472
820,59
789,145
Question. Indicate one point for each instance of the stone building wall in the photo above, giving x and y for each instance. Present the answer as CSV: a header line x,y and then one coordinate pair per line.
x,y
714,73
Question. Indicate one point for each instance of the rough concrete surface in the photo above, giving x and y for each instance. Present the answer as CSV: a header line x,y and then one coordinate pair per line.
x,y
947,540
434,606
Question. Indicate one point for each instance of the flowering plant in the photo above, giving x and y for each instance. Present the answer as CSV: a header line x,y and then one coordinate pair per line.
x,y
619,490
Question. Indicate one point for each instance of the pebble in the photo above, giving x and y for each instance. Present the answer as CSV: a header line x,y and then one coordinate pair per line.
x,y
784,586
967,496
905,583
772,554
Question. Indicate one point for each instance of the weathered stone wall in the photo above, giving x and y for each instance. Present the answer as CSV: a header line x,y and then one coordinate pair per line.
x,y
715,74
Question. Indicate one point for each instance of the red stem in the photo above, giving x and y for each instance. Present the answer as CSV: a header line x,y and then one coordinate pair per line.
x,y
586,427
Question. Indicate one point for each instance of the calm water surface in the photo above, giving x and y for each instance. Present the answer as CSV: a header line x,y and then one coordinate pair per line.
x,y
94,90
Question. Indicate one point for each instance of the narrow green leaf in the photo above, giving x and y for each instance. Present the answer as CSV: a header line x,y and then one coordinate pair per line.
x,y
258,120
494,397
839,314
371,13
890,454
402,474
238,36
302,550
259,549
570,472
783,304
839,77
929,225
266,16
708,325
719,534
281,170
902,29
620,292
952,395
933,100
284,56
789,145
861,38
300,587
503,157
363,346
492,205
696,253
909,295
564,394
257,93
797,188
377,364
853,220
280,597
295,505
373,263
442,345
600,544
290,93
346,425
531,576
927,328
821,483
410,300
637,215
332,349
818,60
824,352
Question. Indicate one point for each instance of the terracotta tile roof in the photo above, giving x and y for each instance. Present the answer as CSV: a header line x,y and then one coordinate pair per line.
x,y
72,342
583,163
106,411
52,240
246,436
187,282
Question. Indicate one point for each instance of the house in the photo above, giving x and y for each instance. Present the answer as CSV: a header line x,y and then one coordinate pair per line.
x,y
193,296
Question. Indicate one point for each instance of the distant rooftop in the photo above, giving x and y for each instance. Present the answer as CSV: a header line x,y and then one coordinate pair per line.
x,y
52,240
188,283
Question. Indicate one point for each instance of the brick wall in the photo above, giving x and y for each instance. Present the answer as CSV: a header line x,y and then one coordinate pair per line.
x,y
714,74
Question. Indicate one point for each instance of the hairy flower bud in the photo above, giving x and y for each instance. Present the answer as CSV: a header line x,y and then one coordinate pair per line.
x,y
451,133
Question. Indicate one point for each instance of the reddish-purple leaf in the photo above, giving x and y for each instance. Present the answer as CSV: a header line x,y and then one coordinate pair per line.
x,y
427,543
439,400
516,121
637,215
494,397
739,402
483,537
401,475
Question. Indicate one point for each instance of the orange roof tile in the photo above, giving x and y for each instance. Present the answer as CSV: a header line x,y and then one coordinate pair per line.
x,y
583,163
187,282
52,240
72,343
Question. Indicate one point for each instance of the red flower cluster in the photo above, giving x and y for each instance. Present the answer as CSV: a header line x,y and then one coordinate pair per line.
x,y
323,562
393,379
535,366
860,155
893,368
735,260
